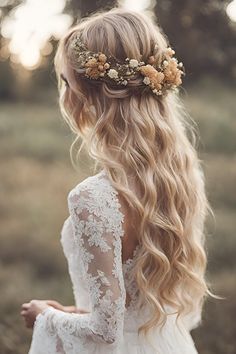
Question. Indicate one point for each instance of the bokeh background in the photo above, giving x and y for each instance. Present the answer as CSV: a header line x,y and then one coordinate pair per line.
x,y
36,172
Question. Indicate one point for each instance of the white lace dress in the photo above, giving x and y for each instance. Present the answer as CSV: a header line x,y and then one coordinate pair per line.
x,y
91,239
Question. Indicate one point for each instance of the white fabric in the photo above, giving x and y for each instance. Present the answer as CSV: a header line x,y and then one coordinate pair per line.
x,y
91,239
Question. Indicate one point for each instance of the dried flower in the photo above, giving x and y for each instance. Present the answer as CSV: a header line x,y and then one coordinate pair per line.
x,y
133,63
93,73
102,58
170,52
172,73
91,63
96,66
155,77
146,80
106,66
113,74
165,63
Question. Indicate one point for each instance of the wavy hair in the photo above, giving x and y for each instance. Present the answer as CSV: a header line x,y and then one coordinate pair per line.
x,y
130,131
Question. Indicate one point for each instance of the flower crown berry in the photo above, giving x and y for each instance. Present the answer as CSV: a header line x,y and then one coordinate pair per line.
x,y
159,76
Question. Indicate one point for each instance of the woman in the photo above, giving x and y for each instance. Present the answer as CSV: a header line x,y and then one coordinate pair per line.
x,y
134,239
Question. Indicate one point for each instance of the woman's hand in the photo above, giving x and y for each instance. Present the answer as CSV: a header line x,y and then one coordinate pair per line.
x,y
31,309
57,305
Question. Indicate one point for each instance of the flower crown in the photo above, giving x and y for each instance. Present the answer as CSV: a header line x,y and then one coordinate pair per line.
x,y
158,75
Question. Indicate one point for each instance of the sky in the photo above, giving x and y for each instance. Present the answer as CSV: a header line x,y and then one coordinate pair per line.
x,y
29,28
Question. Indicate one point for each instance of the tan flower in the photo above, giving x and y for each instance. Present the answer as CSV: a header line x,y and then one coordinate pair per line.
x,y
91,63
102,58
96,67
172,73
106,66
156,77
93,73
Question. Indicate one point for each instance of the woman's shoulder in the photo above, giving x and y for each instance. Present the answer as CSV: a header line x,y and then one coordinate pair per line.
x,y
94,187
97,195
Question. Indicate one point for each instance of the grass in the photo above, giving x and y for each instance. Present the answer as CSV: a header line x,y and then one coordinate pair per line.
x,y
36,176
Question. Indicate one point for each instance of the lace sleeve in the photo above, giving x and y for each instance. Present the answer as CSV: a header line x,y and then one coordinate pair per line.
x,y
97,233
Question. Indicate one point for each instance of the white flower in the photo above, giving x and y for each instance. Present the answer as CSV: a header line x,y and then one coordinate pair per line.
x,y
125,82
113,74
133,63
146,80
165,63
158,93
180,64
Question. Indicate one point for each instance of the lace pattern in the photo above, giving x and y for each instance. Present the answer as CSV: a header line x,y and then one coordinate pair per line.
x,y
97,230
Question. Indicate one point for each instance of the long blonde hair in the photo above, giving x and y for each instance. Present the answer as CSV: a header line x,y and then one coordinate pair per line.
x,y
151,137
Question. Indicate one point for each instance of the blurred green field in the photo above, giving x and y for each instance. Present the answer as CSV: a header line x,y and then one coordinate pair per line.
x,y
36,176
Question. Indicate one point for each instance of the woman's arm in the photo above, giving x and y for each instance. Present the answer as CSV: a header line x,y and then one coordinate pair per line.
x,y
69,309
30,310
74,309
97,231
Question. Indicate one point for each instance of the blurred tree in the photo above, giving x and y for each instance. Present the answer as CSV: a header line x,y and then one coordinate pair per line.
x,y
87,7
202,34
